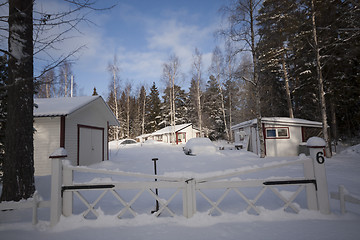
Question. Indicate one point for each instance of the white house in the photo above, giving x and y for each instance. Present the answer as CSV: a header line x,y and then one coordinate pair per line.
x,y
183,133
78,124
282,136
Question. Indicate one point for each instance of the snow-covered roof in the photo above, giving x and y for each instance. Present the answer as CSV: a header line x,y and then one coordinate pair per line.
x,y
280,121
168,129
51,107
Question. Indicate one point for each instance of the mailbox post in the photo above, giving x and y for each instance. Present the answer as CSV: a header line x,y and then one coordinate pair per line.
x,y
316,146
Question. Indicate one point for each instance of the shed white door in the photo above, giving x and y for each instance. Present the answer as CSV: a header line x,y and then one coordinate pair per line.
x,y
91,145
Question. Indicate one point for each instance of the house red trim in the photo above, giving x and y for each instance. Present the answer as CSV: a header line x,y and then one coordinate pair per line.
x,y
62,131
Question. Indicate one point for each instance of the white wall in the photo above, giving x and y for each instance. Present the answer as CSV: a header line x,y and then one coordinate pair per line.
x,y
91,115
284,147
46,141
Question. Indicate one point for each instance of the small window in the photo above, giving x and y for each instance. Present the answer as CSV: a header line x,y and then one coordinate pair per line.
x,y
277,133
282,132
271,133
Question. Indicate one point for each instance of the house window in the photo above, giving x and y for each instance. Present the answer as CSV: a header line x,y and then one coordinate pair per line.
x,y
277,132
271,133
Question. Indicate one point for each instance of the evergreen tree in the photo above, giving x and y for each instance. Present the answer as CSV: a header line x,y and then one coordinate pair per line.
x,y
141,109
153,110
278,22
213,120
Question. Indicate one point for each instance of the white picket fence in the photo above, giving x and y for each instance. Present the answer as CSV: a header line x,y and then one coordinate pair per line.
x,y
344,197
63,188
35,202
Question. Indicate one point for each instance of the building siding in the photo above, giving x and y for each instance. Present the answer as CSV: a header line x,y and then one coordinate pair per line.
x,y
46,141
90,115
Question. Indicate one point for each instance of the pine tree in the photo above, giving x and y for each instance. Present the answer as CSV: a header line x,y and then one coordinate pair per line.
x,y
278,24
141,108
153,110
213,121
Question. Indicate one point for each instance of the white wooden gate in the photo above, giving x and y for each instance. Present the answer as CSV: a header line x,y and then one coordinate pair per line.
x,y
192,190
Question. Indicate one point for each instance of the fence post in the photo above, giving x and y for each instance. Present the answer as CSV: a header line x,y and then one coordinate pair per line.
x,y
342,199
189,198
310,188
56,183
67,202
316,146
35,208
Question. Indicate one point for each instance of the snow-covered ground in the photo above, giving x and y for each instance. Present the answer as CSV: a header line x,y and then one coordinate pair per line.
x,y
272,223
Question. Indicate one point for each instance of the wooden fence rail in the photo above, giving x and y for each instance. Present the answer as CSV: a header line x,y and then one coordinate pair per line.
x,y
33,203
344,197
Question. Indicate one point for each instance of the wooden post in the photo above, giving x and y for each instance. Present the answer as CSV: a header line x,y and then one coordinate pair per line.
x,y
56,183
67,195
311,196
342,199
189,198
316,146
35,207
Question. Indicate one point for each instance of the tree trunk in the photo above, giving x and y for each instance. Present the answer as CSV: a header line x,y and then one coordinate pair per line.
x,y
18,167
287,89
321,83
199,107
143,116
230,119
256,79
173,123
116,104
223,109
333,123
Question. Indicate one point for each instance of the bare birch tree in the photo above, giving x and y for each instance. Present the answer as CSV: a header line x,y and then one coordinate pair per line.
x,y
197,76
242,30
229,75
127,94
171,72
114,70
217,70
320,81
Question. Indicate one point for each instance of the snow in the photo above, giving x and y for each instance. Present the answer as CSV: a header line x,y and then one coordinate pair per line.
x,y
61,106
285,121
316,142
199,145
272,223
59,152
168,129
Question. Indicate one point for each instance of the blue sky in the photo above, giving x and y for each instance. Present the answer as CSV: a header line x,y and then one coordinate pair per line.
x,y
142,34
